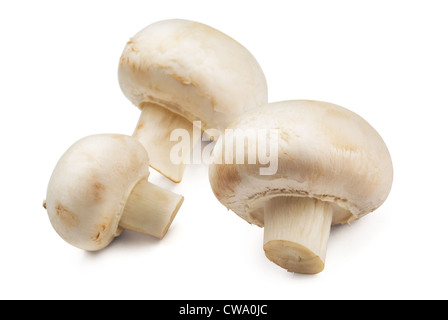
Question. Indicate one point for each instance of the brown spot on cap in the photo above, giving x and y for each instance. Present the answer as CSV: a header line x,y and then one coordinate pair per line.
x,y
284,135
98,190
181,79
101,229
67,217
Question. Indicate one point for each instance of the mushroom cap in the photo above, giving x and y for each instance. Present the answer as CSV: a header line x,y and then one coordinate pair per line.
x,y
325,152
89,188
192,69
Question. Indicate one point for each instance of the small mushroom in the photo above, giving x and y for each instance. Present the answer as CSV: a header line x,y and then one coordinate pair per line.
x,y
179,71
99,187
333,168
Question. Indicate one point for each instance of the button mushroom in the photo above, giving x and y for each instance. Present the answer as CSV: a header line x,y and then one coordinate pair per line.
x,y
333,168
99,187
179,71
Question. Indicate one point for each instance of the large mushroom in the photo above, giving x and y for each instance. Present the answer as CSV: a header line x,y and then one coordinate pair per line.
x,y
99,187
179,71
333,168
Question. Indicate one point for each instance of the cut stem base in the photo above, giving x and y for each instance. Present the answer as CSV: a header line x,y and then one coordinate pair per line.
x,y
296,232
150,209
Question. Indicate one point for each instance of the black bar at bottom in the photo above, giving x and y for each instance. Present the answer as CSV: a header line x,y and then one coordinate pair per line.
x,y
225,309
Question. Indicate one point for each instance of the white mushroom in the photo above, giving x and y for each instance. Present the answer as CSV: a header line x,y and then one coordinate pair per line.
x,y
99,187
333,168
179,71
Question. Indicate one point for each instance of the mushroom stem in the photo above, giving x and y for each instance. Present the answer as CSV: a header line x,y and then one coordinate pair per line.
x,y
150,209
296,232
154,131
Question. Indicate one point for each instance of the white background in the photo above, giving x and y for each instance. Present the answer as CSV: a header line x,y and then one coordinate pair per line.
x,y
385,60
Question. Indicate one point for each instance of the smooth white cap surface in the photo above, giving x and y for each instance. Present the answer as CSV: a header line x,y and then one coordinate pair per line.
x,y
90,186
325,152
193,70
